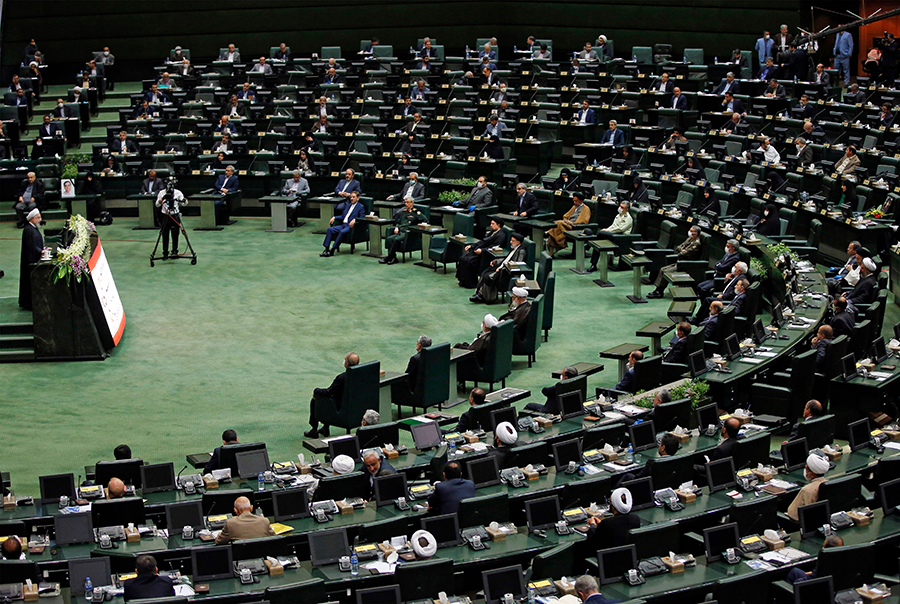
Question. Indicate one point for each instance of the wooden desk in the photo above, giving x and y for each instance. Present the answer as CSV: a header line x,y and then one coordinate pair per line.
x,y
375,240
427,234
604,247
636,263
621,353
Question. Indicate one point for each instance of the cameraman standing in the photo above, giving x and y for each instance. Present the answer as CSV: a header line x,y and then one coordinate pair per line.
x,y
169,202
888,59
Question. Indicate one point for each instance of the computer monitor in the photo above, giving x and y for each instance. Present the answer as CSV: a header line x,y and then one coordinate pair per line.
x,y
389,488
444,528
118,512
858,434
534,454
542,513
848,365
127,470
566,451
57,485
571,404
227,454
614,562
354,484
212,563
484,509
498,416
347,445
378,435
754,516
697,363
890,496
502,581
813,517
820,589
641,490
718,539
290,504
643,435
156,478
426,435
484,472
720,474
73,528
759,332
708,415
794,454
777,315
98,569
251,463
18,571
379,595
897,330
180,515
597,438
732,347
327,547
879,350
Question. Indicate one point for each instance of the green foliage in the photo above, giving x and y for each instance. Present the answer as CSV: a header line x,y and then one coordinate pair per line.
x,y
469,182
70,164
758,267
780,249
448,197
696,390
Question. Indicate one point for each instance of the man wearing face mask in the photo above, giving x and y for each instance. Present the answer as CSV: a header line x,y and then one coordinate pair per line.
x,y
764,47
480,196
771,155
61,110
689,249
804,152
413,189
623,224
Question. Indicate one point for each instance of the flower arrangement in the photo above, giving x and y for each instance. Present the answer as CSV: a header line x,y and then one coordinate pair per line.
x,y
695,390
449,196
758,267
468,182
875,213
70,261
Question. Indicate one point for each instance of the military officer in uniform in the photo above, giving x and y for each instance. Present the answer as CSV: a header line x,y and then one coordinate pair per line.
x,y
405,219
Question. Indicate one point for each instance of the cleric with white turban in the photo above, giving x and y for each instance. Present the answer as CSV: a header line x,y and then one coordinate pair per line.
x,y
814,473
613,532
342,464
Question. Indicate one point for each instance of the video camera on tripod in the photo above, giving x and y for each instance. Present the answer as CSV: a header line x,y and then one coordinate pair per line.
x,y
169,197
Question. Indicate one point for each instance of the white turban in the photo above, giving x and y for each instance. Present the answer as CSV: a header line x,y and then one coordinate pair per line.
x,y
506,433
520,292
869,264
342,464
490,320
602,37
817,464
621,500
33,213
428,549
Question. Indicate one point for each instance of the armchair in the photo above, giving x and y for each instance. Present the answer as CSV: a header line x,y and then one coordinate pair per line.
x,y
432,381
360,393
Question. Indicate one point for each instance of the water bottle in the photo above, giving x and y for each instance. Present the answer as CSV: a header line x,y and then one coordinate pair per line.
x,y
515,49
354,563
467,51
88,588
452,450
630,454
795,79
261,482
715,59
531,595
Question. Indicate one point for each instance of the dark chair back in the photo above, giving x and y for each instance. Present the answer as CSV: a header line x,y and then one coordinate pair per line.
x,y
656,539
837,351
818,431
803,371
746,589
545,266
360,392
842,493
434,375
648,373
861,338
532,340
12,527
424,580
377,532
549,292
481,511
311,590
849,565
222,502
556,562
750,451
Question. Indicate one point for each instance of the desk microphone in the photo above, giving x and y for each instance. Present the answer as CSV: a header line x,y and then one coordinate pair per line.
x,y
178,478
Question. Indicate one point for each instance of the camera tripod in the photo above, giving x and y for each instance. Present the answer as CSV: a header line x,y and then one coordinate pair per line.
x,y
192,255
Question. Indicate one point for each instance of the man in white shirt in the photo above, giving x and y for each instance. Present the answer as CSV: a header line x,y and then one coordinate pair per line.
x,y
231,55
169,202
294,187
770,153
262,67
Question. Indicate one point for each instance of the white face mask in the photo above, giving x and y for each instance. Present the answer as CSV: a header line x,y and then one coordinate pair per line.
x,y
105,53
38,143
766,213
767,36
60,105
480,185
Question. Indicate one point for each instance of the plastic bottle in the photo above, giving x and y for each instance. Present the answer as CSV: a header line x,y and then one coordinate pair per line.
x,y
452,450
630,454
354,563
531,595
467,51
88,588
515,49
716,59
262,482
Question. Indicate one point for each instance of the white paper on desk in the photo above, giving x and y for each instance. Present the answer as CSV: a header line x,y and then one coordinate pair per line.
x,y
614,415
478,447
781,484
767,354
184,590
614,467
892,445
794,326
879,374
750,360
631,409
383,568
775,557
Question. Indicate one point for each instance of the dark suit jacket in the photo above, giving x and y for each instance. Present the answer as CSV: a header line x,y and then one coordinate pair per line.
x,y
767,73
412,370
616,137
842,324
417,193
152,186
357,213
808,111
213,463
738,302
865,291
149,586
148,96
826,78
806,156
528,203
479,346
737,105
386,469
626,384
353,185
680,102
677,353
725,449
241,110
724,266
64,111
734,89
229,182
336,391
448,493
591,116
37,191
670,86
129,144
710,327
822,356
779,91
519,316
47,131
466,422
612,532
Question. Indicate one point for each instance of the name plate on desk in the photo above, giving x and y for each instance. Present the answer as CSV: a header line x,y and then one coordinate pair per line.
x,y
385,154
242,173
442,101
665,178
589,169
429,156
716,228
519,140
472,158
660,211
734,189
690,219
348,134
392,135
379,175
476,138
334,174
557,192
296,151
823,212
642,75
564,105
796,204
604,106
342,153
195,172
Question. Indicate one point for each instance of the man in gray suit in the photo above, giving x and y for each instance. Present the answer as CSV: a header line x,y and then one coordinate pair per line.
x,y
295,187
152,185
231,55
494,128
588,54
262,67
105,57
413,188
480,197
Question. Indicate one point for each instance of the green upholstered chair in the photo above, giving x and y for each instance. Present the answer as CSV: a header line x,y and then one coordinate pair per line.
x,y
329,52
432,381
360,393
529,344
549,292
311,590
447,251
497,360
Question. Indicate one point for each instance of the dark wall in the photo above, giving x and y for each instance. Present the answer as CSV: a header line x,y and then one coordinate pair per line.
x,y
141,33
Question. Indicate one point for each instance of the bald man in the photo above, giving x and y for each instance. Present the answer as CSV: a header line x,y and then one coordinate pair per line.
x,y
116,488
244,525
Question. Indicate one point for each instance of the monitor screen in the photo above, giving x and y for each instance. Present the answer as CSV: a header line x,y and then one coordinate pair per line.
x,y
118,512
211,563
251,463
720,474
566,451
697,362
98,569
897,330
483,472
444,528
498,416
794,453
812,517
542,513
759,332
327,547
354,484
502,581
426,436
820,589
571,404
348,446
777,315
879,350
858,434
73,528
890,496
158,477
615,562
55,486
707,416
378,435
848,364
127,470
180,515
379,595
643,435
641,491
227,454
597,438
535,453
718,539
290,504
388,488
732,346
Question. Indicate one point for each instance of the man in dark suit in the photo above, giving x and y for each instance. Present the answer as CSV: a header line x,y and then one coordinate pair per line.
x,y
710,324
468,266
729,103
588,591
466,422
739,60
332,77
497,274
721,269
152,185
348,185
740,295
143,111
586,115
804,152
413,188
48,129
480,344
552,403
855,95
225,183
526,202
842,322
376,466
797,63
725,449
412,367
31,195
728,84
613,136
774,90
61,110
123,144
155,96
806,109
348,213
479,197
408,108
626,384
148,583
679,101
234,108
229,437
768,71
812,409
450,491
335,392
32,248
518,312
677,350
283,53
822,77
664,85
415,126
735,124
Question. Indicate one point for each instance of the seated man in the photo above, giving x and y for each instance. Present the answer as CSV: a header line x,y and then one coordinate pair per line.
x,y
262,67
234,108
768,71
143,111
552,404
728,84
230,54
866,289
494,128
626,384
811,409
225,125
526,202
370,418
710,324
124,145
497,274
668,446
740,295
375,466
322,126
842,322
848,162
677,349
332,77
404,220
466,422
736,122
814,473
613,136
244,525
412,367
294,187
579,213
348,185
12,548
122,452
479,344
115,489
225,183
820,343
689,249
224,144
335,392
796,575
413,189
806,109
770,153
722,268
738,271
30,196
62,111
468,266
519,310
730,431
148,583
284,53
613,532
229,437
348,213
622,224
775,90
155,96
587,591
505,437
246,93
480,196
450,491
586,115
